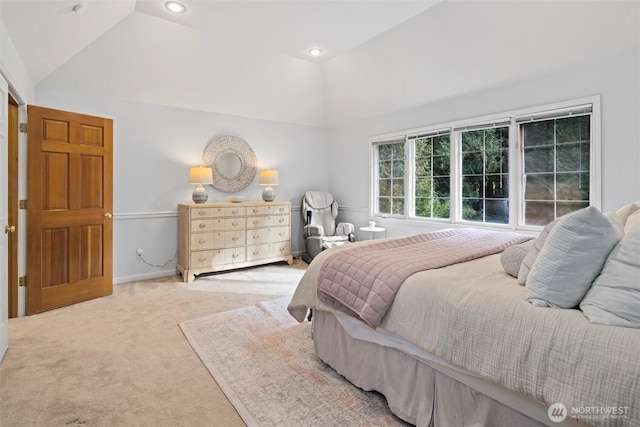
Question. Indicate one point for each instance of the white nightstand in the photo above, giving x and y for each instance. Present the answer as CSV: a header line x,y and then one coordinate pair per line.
x,y
374,230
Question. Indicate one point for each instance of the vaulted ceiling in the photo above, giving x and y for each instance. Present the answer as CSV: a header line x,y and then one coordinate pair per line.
x,y
249,58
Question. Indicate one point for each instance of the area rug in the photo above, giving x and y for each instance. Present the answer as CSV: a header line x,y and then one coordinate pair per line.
x,y
263,360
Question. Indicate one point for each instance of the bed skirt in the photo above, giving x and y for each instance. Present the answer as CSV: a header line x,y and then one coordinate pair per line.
x,y
419,388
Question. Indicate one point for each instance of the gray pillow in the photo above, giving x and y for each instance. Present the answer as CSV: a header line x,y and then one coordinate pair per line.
x,y
614,297
534,250
511,258
572,256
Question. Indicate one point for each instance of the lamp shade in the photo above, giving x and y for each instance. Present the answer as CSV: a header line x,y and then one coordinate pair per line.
x,y
268,177
200,175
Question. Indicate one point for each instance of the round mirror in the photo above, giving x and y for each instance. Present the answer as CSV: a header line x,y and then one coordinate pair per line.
x,y
230,165
233,163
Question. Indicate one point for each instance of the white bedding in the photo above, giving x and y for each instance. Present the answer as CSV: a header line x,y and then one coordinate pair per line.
x,y
475,317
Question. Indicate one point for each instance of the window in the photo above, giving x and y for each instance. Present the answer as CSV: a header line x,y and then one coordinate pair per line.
x,y
390,177
519,169
485,174
556,175
432,173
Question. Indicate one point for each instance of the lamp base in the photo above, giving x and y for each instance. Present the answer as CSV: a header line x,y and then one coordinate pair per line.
x,y
200,195
268,195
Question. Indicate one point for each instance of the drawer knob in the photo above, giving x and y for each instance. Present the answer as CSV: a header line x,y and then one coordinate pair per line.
x,y
255,211
202,225
235,212
281,209
235,223
235,255
255,237
202,241
234,238
255,222
281,220
201,213
256,252
202,259
281,249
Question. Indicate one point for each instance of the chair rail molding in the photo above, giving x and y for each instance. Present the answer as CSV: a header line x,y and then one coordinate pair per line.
x,y
144,215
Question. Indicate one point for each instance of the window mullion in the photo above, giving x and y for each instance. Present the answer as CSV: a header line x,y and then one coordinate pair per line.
x,y
409,178
455,186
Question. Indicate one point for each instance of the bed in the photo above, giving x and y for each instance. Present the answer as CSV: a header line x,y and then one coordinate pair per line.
x,y
460,345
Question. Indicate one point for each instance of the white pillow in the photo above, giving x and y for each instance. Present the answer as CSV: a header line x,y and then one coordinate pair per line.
x,y
617,222
534,250
627,210
614,297
632,223
511,258
572,256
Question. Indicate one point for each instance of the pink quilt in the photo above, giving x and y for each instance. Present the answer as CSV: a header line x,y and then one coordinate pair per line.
x,y
363,281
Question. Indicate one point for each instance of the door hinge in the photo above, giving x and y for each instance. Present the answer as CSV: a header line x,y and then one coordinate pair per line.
x,y
22,281
22,127
22,204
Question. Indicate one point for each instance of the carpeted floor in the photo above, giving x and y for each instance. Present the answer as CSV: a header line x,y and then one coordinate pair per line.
x,y
122,360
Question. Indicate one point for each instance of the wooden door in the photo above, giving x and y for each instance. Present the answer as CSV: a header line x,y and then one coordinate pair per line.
x,y
4,255
69,205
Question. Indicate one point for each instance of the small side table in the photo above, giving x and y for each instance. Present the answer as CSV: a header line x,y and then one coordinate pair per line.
x,y
374,230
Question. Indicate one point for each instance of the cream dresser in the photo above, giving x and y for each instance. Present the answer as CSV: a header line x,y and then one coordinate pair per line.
x,y
222,236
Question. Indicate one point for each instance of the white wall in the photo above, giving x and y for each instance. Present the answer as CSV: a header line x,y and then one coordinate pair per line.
x,y
461,47
154,146
615,79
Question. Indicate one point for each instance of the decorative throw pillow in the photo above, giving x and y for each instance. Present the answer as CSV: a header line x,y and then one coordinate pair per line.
x,y
534,250
627,210
617,222
512,257
632,223
572,256
614,297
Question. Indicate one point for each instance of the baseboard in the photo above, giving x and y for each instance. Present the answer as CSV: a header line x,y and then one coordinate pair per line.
x,y
144,276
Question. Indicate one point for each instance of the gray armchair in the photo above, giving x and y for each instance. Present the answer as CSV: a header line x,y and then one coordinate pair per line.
x,y
319,212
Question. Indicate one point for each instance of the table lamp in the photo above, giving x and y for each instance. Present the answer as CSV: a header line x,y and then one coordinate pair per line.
x,y
268,177
200,175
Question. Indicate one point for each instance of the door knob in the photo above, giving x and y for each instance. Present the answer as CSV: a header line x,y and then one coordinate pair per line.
x,y
9,228
108,216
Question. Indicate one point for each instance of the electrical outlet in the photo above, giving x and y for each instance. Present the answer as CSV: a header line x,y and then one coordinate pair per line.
x,y
139,253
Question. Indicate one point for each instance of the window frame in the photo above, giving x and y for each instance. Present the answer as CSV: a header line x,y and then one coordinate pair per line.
x,y
516,164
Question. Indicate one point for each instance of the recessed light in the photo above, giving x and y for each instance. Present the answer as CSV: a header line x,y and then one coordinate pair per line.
x,y
175,7
315,51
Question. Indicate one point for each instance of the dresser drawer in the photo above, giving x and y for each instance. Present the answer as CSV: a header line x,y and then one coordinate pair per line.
x,y
217,240
203,259
231,224
203,225
278,220
279,234
258,236
203,213
270,250
256,221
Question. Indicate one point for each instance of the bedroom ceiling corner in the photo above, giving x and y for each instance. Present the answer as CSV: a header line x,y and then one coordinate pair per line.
x,y
48,33
231,57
